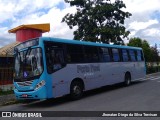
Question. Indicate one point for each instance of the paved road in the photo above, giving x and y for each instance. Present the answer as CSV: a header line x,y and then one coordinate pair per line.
x,y
143,95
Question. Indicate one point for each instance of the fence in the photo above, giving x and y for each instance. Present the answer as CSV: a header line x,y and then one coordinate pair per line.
x,y
6,71
6,75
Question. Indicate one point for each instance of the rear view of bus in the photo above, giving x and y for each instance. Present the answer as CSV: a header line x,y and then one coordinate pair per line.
x,y
29,82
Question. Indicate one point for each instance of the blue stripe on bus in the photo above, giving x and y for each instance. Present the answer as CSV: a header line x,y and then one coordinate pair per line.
x,y
86,43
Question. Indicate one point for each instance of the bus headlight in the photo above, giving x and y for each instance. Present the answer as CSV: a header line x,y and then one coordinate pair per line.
x,y
39,85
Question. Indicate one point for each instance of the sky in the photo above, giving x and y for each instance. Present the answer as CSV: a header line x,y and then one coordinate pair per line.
x,y
144,22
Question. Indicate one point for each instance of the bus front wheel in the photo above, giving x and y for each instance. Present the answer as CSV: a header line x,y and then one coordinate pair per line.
x,y
127,81
76,90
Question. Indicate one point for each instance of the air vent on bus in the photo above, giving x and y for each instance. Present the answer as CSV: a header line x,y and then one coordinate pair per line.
x,y
26,83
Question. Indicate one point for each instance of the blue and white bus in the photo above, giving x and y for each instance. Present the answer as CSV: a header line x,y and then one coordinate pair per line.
x,y
51,67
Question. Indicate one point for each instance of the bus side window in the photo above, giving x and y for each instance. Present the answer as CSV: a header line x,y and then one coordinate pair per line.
x,y
75,54
49,60
58,59
91,54
116,56
54,57
125,55
139,55
132,55
104,55
142,57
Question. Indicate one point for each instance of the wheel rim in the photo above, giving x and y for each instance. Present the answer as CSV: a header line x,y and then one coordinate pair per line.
x,y
77,90
128,80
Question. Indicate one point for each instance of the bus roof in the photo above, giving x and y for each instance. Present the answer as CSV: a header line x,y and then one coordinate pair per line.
x,y
86,43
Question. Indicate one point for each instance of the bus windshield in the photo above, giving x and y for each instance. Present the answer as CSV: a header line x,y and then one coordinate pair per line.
x,y
28,63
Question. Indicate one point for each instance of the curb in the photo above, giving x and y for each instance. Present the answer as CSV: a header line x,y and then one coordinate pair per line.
x,y
152,74
7,99
11,99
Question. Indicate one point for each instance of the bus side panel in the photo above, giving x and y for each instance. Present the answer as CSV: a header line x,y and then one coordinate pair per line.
x,y
111,73
94,75
61,80
115,72
139,70
89,73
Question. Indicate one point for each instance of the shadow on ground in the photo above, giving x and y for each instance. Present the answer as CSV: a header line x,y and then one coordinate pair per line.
x,y
66,99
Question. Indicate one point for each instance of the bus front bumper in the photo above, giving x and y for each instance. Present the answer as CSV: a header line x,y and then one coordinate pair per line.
x,y
41,93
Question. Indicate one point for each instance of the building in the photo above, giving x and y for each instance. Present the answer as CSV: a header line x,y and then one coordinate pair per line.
x,y
23,33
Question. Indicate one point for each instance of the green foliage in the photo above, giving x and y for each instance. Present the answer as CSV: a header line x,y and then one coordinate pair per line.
x,y
150,53
147,50
153,69
136,42
154,55
98,20
6,92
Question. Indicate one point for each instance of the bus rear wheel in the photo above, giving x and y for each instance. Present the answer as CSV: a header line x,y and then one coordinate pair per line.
x,y
76,90
127,80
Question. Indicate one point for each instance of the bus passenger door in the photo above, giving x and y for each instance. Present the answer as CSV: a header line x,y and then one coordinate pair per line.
x,y
55,64
116,66
108,69
93,72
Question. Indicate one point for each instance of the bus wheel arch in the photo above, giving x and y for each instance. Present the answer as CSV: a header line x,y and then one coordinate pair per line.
x,y
127,78
76,88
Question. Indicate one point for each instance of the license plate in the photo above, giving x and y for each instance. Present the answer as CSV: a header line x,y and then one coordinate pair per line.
x,y
25,95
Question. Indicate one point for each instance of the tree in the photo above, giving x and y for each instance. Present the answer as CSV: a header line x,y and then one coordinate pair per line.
x,y
150,53
154,54
136,42
98,20
147,51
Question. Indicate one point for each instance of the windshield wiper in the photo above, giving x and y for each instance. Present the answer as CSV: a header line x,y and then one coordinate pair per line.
x,y
28,52
25,62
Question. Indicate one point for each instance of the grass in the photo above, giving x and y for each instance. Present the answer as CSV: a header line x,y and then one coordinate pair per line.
x,y
6,92
7,102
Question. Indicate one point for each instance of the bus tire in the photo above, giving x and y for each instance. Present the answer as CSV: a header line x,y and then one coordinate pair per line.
x,y
76,90
127,80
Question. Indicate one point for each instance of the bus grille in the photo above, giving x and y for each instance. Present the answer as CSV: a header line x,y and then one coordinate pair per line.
x,y
26,83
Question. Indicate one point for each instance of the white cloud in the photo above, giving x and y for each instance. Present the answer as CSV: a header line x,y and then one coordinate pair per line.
x,y
54,17
152,32
12,8
34,12
142,25
140,6
5,37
